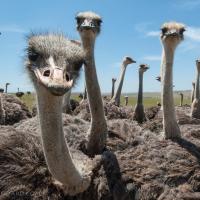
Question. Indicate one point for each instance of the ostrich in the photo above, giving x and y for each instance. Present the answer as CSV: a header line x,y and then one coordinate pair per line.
x,y
88,26
139,114
19,94
181,100
158,78
171,36
53,64
126,100
85,93
6,90
195,108
113,87
193,91
126,61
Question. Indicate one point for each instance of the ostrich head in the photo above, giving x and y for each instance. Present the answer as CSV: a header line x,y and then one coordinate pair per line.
x,y
172,34
128,60
198,65
88,24
158,78
53,62
114,80
143,68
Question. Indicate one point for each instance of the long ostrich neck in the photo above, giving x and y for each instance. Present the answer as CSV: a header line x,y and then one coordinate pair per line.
x,y
56,151
121,80
113,88
98,129
167,84
140,91
197,84
1,110
93,89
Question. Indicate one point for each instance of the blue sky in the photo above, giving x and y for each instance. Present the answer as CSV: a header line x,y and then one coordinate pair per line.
x,y
130,28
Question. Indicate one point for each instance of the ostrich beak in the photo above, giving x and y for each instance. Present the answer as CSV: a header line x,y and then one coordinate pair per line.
x,y
172,32
87,24
55,80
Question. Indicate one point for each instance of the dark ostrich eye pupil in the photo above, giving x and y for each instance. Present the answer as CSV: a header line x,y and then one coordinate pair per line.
x,y
78,20
182,31
99,22
33,56
164,30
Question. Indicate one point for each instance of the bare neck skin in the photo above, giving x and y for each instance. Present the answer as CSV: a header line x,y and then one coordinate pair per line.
x,y
56,151
140,91
171,129
98,129
119,88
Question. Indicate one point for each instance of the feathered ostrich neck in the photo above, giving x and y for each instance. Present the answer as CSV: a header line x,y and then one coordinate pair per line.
x,y
113,88
56,151
170,125
121,80
2,112
140,91
98,129
196,96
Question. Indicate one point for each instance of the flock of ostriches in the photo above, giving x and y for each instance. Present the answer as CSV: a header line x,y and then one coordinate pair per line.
x,y
101,150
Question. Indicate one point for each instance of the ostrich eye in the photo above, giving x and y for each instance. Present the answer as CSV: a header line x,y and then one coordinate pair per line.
x,y
164,30
78,19
182,31
99,22
33,56
77,66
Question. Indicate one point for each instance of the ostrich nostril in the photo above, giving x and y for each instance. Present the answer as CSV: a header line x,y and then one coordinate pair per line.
x,y
46,73
67,77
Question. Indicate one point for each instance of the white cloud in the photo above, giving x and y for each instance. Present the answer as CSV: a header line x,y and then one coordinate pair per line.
x,y
153,33
152,58
11,29
193,33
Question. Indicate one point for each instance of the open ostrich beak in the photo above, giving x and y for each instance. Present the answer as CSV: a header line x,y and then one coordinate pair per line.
x,y
55,80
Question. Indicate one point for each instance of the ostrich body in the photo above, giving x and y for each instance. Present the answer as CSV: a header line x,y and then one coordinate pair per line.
x,y
181,99
88,26
1,90
139,114
195,108
171,36
51,60
113,87
192,92
126,61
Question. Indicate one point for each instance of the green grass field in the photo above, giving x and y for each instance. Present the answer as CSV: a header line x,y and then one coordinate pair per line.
x,y
150,99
